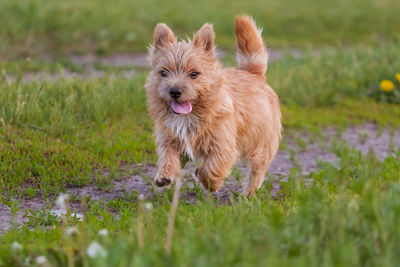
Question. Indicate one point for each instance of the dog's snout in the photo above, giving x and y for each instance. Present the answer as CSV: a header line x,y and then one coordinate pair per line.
x,y
175,92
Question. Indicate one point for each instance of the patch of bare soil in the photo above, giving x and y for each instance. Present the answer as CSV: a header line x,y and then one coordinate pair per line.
x,y
368,137
114,60
130,63
141,59
302,151
89,74
7,218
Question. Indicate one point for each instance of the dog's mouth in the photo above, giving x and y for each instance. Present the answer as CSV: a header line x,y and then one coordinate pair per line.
x,y
181,108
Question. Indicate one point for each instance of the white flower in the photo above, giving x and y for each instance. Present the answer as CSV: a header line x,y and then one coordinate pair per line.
x,y
103,232
148,206
41,260
141,197
16,246
61,201
27,261
96,250
63,212
71,230
354,202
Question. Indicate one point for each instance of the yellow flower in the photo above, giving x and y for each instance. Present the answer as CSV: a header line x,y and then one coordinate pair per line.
x,y
398,77
387,86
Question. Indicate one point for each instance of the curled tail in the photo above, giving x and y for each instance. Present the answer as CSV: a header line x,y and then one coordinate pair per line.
x,y
251,53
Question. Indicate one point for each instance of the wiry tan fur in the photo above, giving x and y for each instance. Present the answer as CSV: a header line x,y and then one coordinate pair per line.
x,y
234,112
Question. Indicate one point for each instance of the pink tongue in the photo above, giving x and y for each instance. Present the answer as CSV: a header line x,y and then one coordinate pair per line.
x,y
181,108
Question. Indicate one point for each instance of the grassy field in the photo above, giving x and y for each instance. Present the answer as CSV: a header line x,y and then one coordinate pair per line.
x,y
339,220
33,27
76,132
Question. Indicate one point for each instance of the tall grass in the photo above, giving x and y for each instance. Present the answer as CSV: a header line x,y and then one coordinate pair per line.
x,y
69,105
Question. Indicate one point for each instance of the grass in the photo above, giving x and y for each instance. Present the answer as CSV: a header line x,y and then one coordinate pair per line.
x,y
348,216
324,79
34,27
74,132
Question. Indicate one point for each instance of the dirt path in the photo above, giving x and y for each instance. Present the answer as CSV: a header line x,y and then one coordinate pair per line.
x,y
140,59
302,151
129,64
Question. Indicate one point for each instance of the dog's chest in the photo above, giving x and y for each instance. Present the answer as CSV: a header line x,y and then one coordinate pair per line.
x,y
184,128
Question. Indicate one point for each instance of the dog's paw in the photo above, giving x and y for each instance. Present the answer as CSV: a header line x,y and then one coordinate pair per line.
x,y
249,192
163,181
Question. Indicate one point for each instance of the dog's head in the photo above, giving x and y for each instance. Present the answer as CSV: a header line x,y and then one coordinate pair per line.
x,y
183,73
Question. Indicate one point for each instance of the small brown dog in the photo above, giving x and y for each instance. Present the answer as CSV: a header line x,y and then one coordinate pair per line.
x,y
209,113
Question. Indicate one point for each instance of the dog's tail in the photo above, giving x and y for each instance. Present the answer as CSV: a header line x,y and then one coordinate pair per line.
x,y
251,53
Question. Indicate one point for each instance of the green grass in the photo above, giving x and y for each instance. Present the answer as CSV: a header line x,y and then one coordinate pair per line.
x,y
78,131
18,66
70,131
347,216
67,132
325,79
45,26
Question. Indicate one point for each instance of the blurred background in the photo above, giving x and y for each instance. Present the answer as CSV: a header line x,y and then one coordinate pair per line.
x,y
326,50
33,27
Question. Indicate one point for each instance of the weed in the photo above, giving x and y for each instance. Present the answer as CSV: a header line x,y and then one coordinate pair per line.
x,y
41,217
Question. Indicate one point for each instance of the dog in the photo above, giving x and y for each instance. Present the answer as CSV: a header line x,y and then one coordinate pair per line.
x,y
214,115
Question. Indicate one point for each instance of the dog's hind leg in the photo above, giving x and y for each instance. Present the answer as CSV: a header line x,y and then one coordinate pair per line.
x,y
259,166
215,169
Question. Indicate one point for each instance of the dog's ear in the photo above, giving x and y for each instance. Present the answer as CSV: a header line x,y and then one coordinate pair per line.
x,y
163,36
204,39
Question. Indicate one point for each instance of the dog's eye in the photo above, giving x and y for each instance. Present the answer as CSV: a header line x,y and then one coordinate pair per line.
x,y
164,73
194,74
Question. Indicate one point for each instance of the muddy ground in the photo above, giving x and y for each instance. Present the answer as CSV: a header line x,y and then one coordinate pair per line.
x,y
301,150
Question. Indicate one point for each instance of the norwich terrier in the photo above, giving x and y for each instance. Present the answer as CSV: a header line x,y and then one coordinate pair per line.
x,y
212,114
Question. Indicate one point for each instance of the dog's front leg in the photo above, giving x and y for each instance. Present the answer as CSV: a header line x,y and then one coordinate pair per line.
x,y
168,162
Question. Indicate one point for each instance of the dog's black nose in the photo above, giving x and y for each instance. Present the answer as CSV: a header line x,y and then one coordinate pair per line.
x,y
175,92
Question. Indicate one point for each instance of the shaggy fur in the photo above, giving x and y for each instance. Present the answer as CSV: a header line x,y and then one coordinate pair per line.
x,y
234,113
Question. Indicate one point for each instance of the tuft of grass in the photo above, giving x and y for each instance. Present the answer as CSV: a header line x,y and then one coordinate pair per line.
x,y
40,217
